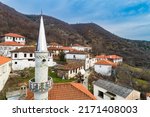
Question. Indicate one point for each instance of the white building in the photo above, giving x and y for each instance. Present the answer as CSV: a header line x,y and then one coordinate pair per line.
x,y
104,67
115,58
106,90
81,48
6,47
77,55
54,44
5,68
70,70
13,38
25,57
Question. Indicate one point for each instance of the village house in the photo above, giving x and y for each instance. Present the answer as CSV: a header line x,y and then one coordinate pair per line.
x,y
12,37
81,48
77,55
25,58
6,47
55,51
5,68
70,70
106,90
55,45
115,58
67,49
101,57
104,67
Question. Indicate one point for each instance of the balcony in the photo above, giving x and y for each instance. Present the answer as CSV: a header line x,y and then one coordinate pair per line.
x,y
40,87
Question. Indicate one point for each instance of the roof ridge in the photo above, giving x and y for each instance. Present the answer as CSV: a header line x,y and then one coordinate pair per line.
x,y
89,95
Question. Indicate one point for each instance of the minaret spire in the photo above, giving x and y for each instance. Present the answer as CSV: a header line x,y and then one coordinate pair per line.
x,y
41,44
41,83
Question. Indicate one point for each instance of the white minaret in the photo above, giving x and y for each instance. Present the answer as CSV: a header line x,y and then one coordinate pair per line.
x,y
42,83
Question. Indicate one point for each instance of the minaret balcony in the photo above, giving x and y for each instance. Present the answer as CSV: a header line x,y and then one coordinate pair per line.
x,y
40,87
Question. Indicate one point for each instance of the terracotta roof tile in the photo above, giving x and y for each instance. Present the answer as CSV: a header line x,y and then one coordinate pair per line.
x,y
113,57
70,66
101,56
67,48
25,49
54,48
105,62
4,60
67,91
14,35
10,43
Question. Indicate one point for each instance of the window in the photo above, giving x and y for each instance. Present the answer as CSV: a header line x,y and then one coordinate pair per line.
x,y
15,55
74,56
15,62
25,55
31,55
100,94
112,98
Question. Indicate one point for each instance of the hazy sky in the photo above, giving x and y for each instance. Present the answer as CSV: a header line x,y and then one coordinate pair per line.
x,y
126,18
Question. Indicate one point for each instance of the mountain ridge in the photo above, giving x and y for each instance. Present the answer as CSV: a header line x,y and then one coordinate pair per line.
x,y
136,53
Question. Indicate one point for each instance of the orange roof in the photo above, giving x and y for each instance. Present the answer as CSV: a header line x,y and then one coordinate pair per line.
x,y
14,35
4,60
113,57
67,48
101,56
11,43
66,91
106,62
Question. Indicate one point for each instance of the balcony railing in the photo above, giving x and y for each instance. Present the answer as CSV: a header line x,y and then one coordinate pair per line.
x,y
40,87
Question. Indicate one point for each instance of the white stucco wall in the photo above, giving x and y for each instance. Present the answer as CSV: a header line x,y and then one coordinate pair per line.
x,y
73,73
4,74
5,50
76,56
120,60
20,62
103,69
18,40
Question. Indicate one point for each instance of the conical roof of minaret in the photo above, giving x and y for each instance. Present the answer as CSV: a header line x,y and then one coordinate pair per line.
x,y
41,44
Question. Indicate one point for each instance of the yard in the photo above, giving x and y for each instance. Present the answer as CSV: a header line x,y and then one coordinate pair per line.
x,y
24,76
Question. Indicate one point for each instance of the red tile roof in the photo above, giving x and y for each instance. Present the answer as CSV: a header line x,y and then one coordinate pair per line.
x,y
54,48
101,57
71,66
66,91
11,43
106,62
67,48
14,35
25,49
4,60
113,57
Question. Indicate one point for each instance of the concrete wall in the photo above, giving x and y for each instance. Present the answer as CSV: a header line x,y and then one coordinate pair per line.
x,y
103,69
105,97
76,56
5,50
18,40
21,62
4,74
